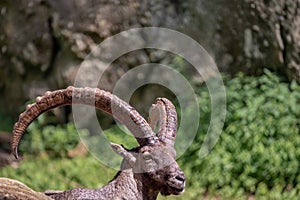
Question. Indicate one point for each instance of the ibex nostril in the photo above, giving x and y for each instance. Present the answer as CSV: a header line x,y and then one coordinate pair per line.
x,y
180,178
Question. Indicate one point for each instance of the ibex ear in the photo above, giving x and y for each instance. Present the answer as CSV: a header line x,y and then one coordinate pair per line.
x,y
156,116
122,151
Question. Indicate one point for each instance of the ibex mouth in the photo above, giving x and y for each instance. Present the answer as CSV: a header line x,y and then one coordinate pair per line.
x,y
176,185
177,191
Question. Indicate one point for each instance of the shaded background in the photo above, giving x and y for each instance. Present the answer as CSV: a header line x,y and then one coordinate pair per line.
x,y
43,42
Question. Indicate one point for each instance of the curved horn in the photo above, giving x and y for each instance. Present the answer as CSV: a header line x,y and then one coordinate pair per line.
x,y
101,99
164,113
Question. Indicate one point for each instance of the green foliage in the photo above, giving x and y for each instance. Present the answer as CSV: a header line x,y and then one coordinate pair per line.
x,y
6,122
116,135
258,152
43,173
56,141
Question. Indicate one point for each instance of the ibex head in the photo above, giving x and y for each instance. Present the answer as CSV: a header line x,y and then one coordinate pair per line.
x,y
154,158
158,158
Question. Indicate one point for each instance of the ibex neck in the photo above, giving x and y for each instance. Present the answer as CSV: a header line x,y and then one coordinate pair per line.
x,y
147,188
128,185
125,185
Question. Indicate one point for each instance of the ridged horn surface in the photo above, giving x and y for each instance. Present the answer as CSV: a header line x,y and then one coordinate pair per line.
x,y
101,99
163,113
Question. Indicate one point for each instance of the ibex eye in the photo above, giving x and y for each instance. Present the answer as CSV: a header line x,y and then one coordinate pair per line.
x,y
147,156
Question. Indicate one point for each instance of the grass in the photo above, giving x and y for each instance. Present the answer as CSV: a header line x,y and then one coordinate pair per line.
x,y
44,173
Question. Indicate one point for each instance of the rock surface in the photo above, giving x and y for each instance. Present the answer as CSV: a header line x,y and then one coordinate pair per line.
x,y
43,42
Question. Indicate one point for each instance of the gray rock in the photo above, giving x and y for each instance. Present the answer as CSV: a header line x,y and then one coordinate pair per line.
x,y
43,41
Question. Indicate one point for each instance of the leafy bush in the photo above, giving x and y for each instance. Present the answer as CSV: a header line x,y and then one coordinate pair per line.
x,y
257,154
42,137
42,173
258,151
6,122
56,141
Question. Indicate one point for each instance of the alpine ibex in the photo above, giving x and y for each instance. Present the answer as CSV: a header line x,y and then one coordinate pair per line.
x,y
146,170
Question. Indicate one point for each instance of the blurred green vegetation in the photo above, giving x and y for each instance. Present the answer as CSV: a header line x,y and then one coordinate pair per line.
x,y
257,154
54,140
6,123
